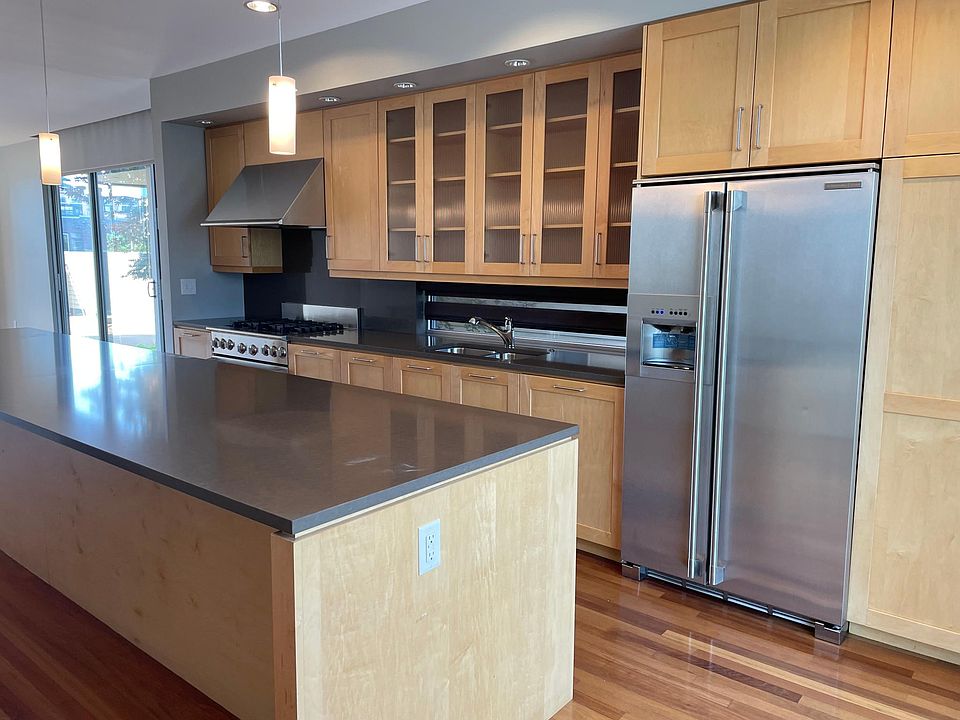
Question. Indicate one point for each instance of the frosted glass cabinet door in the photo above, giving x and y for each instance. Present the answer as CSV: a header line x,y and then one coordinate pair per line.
x,y
565,171
401,182
504,154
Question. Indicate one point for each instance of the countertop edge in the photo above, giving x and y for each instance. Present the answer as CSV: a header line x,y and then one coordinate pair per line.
x,y
308,522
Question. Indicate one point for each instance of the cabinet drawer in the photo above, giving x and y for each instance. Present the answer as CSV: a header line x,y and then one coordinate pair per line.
x,y
367,370
314,362
420,378
485,388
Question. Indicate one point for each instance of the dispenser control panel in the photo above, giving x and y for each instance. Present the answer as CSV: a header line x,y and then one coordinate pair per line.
x,y
672,311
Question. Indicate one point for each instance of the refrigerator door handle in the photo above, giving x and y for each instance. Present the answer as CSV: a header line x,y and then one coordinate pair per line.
x,y
711,202
734,201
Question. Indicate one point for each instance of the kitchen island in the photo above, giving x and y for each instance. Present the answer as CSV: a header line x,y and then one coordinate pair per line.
x,y
257,533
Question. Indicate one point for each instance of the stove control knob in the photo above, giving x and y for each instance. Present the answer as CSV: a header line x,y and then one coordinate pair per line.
x,y
266,350
242,348
254,349
273,350
229,344
283,352
216,343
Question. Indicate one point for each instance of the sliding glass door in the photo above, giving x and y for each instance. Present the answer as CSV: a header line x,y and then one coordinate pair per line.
x,y
107,256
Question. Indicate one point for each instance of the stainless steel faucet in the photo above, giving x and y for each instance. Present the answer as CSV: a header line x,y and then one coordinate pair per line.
x,y
505,333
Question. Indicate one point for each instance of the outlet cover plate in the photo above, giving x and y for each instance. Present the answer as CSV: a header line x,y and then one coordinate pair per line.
x,y
428,546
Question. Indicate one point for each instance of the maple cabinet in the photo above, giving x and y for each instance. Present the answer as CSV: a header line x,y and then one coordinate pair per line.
x,y
256,140
191,342
367,370
242,250
923,97
350,181
905,569
781,82
484,388
420,378
400,147
598,410
314,362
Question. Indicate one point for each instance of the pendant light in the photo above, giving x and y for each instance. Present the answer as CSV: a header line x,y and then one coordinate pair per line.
x,y
49,142
281,94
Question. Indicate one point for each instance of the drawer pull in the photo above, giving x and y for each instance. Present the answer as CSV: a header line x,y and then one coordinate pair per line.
x,y
312,353
363,360
419,367
482,377
567,387
186,334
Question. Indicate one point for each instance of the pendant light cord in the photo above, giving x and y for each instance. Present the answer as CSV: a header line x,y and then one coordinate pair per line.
x,y
43,50
279,38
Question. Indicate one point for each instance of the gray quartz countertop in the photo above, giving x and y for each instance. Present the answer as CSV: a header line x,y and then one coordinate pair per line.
x,y
600,367
290,452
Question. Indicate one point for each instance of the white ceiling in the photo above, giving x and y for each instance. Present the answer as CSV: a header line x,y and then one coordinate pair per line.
x,y
101,54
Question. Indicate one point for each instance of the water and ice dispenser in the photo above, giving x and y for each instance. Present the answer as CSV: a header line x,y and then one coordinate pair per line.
x,y
668,345
664,337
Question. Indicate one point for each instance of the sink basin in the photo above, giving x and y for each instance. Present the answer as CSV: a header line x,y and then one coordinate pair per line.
x,y
465,351
502,355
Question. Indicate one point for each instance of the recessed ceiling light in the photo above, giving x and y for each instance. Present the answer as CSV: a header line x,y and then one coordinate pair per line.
x,y
516,62
204,122
405,85
262,6
329,99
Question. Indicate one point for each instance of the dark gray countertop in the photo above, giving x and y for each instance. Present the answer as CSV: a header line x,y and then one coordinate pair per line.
x,y
576,364
289,452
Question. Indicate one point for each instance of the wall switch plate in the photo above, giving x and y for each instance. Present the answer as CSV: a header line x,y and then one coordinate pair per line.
x,y
188,286
428,546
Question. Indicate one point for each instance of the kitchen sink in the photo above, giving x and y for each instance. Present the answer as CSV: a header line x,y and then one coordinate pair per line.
x,y
490,354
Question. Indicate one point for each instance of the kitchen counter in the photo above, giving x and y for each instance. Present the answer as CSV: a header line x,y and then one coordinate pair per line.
x,y
284,451
599,367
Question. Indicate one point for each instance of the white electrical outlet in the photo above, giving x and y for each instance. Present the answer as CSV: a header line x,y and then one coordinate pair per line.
x,y
428,546
188,286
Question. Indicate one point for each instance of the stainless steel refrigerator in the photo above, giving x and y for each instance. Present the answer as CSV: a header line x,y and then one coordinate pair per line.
x,y
745,344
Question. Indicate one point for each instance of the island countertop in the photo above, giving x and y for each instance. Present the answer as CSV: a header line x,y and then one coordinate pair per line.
x,y
289,452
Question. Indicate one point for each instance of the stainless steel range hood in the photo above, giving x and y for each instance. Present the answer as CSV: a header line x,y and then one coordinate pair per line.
x,y
275,195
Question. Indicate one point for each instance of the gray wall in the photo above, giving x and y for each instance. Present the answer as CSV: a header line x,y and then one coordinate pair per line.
x,y
124,140
25,298
184,245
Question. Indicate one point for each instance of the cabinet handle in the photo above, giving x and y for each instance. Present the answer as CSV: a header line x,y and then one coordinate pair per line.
x,y
363,360
187,334
419,367
596,249
244,245
481,377
416,249
567,387
523,238
327,246
308,352
426,257
759,124
739,127
533,249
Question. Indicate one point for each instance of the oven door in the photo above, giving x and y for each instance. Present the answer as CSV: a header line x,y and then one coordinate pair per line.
x,y
251,364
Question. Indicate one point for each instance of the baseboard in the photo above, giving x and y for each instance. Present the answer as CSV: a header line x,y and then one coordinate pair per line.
x,y
598,550
904,643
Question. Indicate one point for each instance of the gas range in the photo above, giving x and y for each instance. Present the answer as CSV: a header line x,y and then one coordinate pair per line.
x,y
263,343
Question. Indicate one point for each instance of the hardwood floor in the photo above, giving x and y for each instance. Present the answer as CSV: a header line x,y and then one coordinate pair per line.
x,y
643,651
649,650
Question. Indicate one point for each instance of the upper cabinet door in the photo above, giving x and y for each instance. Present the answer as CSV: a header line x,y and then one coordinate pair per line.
x,y
256,140
401,183
504,156
617,163
566,118
449,178
821,81
923,100
229,246
698,88
350,143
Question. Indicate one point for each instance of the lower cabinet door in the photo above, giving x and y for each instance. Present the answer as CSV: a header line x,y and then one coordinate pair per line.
x,y
598,410
367,370
314,362
192,343
483,388
420,378
230,248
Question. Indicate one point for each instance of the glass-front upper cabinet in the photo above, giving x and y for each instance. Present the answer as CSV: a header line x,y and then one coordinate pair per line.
x,y
618,163
449,169
504,157
401,183
565,171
